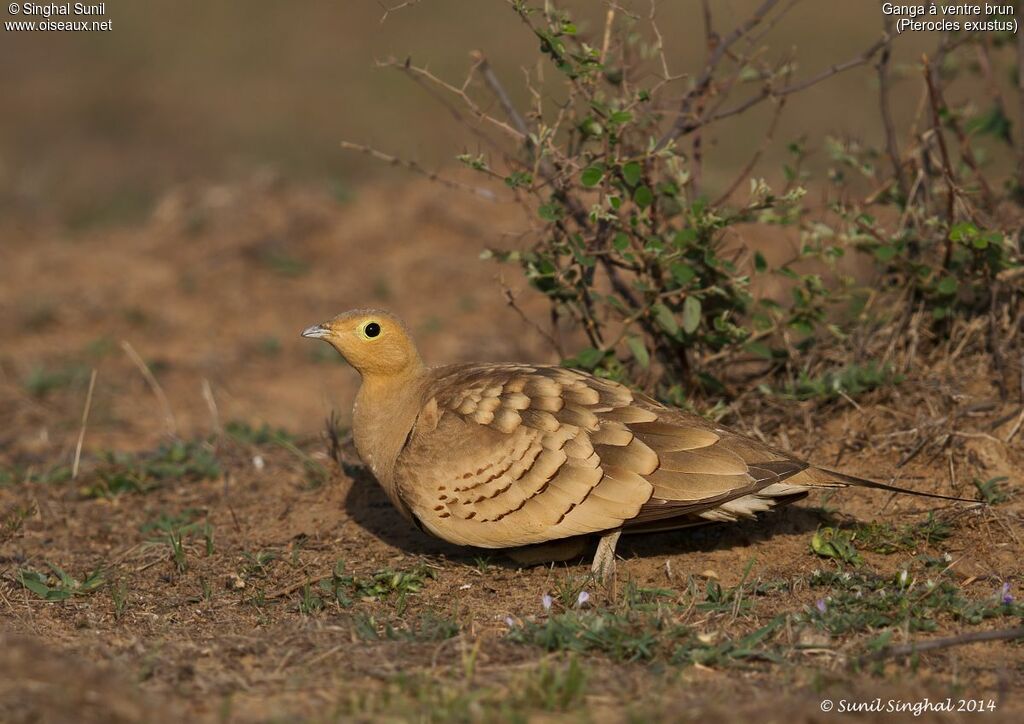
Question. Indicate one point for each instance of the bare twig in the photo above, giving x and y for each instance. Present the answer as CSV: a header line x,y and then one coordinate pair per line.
x,y
609,22
947,168
480,60
768,92
659,45
883,97
428,80
915,647
396,8
85,422
511,301
293,587
416,168
1020,110
711,43
1016,427
158,391
752,39
769,136
703,80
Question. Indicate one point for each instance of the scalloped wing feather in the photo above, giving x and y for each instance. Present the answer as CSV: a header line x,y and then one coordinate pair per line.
x,y
526,454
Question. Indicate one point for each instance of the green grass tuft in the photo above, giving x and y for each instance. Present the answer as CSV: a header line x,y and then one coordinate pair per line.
x,y
179,461
59,585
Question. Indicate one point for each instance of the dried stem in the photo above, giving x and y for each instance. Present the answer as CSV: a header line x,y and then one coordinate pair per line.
x,y
682,123
510,299
396,8
85,423
416,168
769,136
1020,110
916,647
768,92
154,385
947,167
422,75
891,146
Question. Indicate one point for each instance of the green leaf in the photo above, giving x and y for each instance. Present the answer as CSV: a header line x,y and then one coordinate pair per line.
x,y
518,179
620,117
639,350
550,212
682,273
980,243
759,349
65,579
885,253
685,237
643,196
991,123
590,358
691,314
947,286
620,242
964,232
591,128
665,319
592,176
835,543
760,263
34,582
632,172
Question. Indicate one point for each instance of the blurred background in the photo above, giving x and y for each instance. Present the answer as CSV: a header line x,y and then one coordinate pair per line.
x,y
96,126
178,183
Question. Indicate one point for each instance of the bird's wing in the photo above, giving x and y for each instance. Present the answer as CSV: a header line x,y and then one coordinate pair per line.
x,y
508,455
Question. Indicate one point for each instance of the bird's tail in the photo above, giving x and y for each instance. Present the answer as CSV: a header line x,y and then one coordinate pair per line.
x,y
824,477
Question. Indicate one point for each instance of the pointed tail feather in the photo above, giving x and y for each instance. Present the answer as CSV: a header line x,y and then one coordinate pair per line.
x,y
825,477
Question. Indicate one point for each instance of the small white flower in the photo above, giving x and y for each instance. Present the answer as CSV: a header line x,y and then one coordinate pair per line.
x,y
582,599
510,622
257,462
903,577
546,601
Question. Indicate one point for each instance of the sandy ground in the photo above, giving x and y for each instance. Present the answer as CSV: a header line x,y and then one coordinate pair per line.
x,y
211,293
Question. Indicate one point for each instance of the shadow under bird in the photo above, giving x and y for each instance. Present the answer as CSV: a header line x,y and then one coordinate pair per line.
x,y
514,455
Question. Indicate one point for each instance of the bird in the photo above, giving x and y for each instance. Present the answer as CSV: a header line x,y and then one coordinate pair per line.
x,y
538,459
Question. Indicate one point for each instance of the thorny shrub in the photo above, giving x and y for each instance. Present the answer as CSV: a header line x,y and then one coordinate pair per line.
x,y
631,247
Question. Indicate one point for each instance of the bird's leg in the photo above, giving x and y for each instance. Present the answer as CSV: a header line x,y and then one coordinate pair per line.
x,y
603,567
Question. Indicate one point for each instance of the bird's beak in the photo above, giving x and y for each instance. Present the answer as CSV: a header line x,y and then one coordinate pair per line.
x,y
317,331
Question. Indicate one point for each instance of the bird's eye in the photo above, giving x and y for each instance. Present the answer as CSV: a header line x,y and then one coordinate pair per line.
x,y
371,330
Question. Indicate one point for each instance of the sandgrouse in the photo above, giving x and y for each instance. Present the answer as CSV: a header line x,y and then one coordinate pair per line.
x,y
510,455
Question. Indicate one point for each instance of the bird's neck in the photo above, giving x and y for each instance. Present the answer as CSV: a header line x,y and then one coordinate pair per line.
x,y
385,410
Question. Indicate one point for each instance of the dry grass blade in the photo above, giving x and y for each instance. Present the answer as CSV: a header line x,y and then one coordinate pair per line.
x,y
85,422
154,385
211,404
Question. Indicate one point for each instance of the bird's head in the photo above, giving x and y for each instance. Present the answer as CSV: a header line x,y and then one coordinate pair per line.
x,y
374,342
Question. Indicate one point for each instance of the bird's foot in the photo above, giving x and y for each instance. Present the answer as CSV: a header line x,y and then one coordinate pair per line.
x,y
603,568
